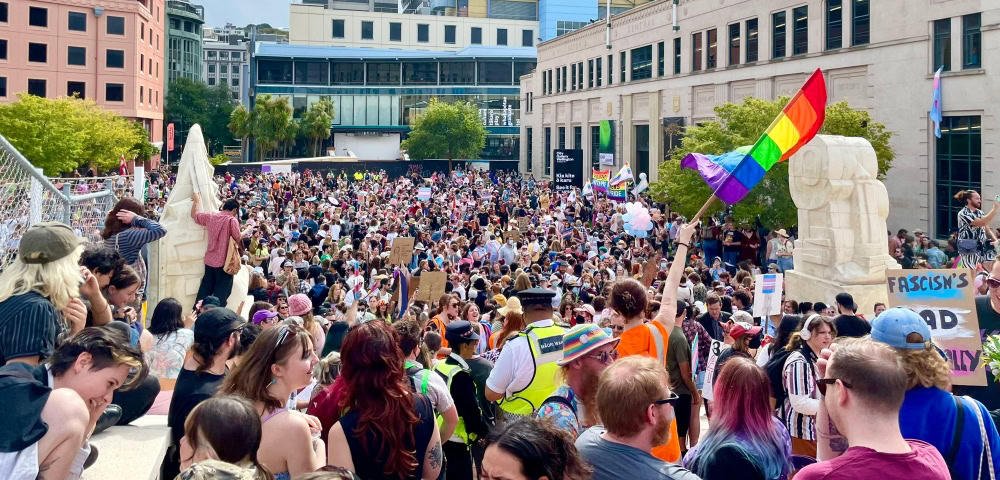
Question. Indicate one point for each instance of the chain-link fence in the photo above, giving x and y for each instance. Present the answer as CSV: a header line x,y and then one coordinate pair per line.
x,y
27,197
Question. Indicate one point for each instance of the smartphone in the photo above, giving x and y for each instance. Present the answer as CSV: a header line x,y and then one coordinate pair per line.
x,y
197,306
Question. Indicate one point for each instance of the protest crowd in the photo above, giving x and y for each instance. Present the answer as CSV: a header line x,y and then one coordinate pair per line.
x,y
479,325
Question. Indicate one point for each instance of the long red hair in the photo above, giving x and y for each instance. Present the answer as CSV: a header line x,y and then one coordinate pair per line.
x,y
376,387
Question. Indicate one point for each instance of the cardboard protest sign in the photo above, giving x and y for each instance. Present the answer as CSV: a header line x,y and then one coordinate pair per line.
x,y
431,286
649,271
767,298
946,300
713,357
402,251
411,286
523,224
514,235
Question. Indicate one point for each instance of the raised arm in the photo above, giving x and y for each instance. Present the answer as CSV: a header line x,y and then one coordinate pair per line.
x,y
988,218
668,304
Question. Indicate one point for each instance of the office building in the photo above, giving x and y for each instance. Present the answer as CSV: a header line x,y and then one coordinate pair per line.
x,y
109,51
877,56
184,34
227,63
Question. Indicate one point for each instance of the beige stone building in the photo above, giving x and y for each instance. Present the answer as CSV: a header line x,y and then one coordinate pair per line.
x,y
877,55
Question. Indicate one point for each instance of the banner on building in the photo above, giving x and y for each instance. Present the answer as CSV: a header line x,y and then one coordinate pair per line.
x,y
170,137
947,302
606,147
600,179
568,169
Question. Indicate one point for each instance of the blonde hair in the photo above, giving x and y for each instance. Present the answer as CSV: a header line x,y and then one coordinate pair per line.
x,y
58,280
925,367
626,389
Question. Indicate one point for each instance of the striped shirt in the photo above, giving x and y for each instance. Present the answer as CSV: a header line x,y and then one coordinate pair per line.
x,y
220,226
130,241
799,378
29,325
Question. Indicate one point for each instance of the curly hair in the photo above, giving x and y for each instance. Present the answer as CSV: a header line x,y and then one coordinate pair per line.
x,y
925,367
628,297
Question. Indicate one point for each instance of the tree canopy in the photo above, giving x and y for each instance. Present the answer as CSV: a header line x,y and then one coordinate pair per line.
x,y
742,124
315,124
446,130
189,102
270,124
62,134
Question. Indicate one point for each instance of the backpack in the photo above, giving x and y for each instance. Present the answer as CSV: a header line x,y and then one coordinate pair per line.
x,y
774,367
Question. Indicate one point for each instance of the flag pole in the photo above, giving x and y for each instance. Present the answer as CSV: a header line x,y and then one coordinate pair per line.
x,y
704,208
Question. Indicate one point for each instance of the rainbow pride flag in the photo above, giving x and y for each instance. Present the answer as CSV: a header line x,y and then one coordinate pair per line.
x,y
618,192
600,179
732,175
623,175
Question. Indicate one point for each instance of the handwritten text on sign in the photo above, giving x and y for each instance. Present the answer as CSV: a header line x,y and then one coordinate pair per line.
x,y
946,301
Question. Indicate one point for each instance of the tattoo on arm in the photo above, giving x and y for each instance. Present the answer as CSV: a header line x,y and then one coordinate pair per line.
x,y
837,441
436,455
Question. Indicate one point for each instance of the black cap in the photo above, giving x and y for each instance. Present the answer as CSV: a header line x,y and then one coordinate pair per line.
x,y
460,331
682,307
535,297
845,300
211,301
216,323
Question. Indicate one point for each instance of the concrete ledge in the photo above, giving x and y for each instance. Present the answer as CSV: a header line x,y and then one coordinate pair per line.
x,y
132,451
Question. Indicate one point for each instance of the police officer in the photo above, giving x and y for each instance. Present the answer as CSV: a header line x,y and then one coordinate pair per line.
x,y
524,375
459,376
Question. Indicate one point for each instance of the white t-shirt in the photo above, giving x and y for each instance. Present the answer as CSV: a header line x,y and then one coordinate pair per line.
x,y
437,390
515,367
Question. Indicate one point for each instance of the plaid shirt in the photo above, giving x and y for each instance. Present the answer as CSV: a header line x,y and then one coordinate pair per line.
x,y
220,226
692,327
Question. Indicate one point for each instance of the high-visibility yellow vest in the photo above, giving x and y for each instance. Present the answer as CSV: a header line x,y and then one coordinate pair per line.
x,y
546,345
449,371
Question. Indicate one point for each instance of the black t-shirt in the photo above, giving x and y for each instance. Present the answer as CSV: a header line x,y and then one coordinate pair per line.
x,y
24,390
484,218
29,326
480,369
729,460
851,326
989,324
191,389
369,463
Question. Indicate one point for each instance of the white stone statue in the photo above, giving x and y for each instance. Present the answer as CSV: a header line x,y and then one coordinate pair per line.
x,y
182,250
842,209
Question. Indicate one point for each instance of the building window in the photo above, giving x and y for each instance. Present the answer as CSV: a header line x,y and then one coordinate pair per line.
x,y
77,21
223,69
367,30
38,17
800,38
423,33
338,28
501,36
942,44
527,38
211,81
595,147
3,49
712,38
477,36
115,59
752,40
548,151
565,26
76,56
531,151
573,83
236,56
696,52
578,138
449,34
972,39
660,59
598,74
558,82
562,138
142,63
38,52
78,89
235,81
396,32
677,56
778,35
211,68
834,24
642,63
621,69
142,95
611,69
4,18
590,73
565,78
142,31
36,87
959,167
734,44
861,22
116,25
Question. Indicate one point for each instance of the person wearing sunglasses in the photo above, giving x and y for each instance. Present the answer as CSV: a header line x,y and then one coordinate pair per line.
x,y
587,351
636,408
863,388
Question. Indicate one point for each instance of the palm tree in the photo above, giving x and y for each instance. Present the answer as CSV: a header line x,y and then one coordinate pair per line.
x,y
241,123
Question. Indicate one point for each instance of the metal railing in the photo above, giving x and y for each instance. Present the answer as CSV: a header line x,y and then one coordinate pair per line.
x,y
28,197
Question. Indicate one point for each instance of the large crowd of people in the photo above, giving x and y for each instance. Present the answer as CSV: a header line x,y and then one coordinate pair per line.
x,y
563,346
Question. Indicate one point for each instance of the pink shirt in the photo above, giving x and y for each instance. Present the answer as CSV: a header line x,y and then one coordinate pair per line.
x,y
922,463
220,226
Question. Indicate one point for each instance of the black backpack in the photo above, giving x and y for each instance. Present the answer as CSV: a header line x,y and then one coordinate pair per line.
x,y
774,367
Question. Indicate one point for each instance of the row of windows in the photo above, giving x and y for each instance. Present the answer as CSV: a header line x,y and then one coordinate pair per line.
x,y
113,92
565,26
224,54
76,21
423,33
188,26
972,39
223,68
77,56
392,73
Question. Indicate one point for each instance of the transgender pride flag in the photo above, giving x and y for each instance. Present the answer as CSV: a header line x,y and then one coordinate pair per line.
x,y
731,176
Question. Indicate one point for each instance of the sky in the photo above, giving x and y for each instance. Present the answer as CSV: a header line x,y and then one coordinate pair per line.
x,y
242,12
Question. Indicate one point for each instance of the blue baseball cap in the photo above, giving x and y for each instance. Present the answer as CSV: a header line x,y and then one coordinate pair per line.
x,y
892,327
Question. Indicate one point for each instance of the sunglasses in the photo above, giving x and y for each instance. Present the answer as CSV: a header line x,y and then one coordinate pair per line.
x,y
603,357
823,382
993,282
670,400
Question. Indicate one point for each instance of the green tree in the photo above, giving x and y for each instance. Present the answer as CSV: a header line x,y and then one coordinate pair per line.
x,y
143,149
742,124
316,123
241,124
270,124
446,130
189,102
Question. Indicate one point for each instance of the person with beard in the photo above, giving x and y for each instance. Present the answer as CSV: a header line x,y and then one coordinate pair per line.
x,y
587,351
636,408
216,339
973,228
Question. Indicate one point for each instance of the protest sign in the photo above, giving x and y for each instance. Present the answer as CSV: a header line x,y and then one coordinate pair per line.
x,y
514,235
523,224
431,286
946,300
649,271
767,298
402,251
713,357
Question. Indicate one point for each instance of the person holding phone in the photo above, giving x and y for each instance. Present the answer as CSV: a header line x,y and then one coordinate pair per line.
x,y
973,230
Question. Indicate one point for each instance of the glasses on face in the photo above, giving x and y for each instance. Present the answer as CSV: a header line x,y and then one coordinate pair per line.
x,y
823,382
603,357
618,328
993,282
454,305
670,400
